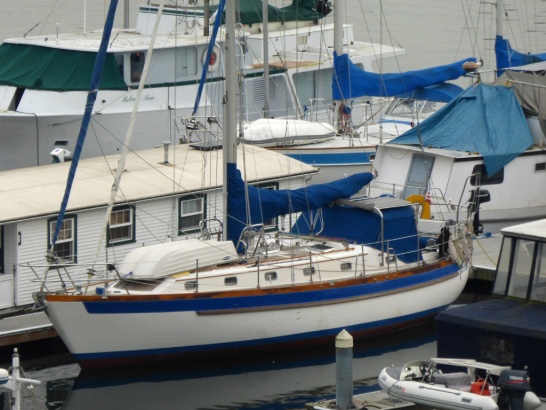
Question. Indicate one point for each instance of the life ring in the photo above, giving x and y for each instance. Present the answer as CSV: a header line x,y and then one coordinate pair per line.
x,y
214,60
425,205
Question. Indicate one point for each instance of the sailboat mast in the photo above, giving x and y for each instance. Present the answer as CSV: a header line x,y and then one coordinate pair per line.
x,y
500,6
229,144
265,32
338,46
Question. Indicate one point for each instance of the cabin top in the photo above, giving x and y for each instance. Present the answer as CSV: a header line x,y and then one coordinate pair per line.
x,y
38,191
529,230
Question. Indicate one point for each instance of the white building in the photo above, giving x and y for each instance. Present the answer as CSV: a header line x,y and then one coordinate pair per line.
x,y
157,200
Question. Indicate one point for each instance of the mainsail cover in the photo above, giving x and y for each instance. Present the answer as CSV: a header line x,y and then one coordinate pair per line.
x,y
350,81
265,204
507,57
485,118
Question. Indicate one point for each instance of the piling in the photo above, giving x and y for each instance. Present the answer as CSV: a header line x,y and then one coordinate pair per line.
x,y
344,371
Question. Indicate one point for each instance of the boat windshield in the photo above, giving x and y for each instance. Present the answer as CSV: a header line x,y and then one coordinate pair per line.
x,y
521,271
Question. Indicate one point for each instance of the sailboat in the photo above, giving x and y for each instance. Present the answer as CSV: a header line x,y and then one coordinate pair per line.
x,y
250,290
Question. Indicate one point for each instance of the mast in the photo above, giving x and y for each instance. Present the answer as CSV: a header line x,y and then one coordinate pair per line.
x,y
229,144
90,103
338,46
500,6
265,32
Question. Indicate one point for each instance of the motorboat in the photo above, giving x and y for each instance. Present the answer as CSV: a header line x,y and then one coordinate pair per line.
x,y
442,384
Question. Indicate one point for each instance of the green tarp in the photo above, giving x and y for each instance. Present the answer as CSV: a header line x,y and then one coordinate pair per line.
x,y
45,68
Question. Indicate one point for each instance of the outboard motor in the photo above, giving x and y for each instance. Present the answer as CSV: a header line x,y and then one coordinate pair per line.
x,y
513,386
477,196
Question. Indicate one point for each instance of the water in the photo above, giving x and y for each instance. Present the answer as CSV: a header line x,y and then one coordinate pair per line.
x,y
433,33
273,382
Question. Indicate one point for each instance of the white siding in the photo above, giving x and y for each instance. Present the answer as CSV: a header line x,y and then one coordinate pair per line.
x,y
155,221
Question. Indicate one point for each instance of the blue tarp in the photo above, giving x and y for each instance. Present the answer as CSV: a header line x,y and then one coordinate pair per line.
x,y
506,57
444,92
484,118
364,227
268,204
350,81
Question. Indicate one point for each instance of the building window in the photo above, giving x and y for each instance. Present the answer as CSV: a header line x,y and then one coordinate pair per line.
x,y
192,212
480,177
65,247
121,228
541,166
272,224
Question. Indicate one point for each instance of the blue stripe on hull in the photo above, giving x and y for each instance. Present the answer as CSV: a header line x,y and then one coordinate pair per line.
x,y
350,158
373,328
272,300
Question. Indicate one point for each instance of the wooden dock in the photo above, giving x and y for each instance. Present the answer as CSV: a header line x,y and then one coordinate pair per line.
x,y
379,400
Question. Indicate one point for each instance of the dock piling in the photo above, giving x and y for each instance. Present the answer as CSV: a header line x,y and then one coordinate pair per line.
x,y
344,371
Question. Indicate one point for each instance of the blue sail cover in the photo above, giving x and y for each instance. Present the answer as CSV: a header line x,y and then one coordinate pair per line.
x,y
364,227
268,204
484,118
506,57
350,81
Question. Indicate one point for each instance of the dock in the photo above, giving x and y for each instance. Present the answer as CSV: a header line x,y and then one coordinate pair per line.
x,y
375,400
485,255
36,339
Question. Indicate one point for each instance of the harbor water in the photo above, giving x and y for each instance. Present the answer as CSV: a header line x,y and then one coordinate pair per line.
x,y
270,382
433,33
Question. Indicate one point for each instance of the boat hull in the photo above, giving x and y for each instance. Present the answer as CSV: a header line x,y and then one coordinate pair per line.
x,y
102,331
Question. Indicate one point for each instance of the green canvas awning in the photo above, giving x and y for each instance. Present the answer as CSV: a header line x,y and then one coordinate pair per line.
x,y
45,68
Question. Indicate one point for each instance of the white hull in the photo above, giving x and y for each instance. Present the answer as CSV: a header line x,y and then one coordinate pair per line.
x,y
172,326
434,395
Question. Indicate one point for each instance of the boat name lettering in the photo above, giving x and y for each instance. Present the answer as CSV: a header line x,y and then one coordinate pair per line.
x,y
131,98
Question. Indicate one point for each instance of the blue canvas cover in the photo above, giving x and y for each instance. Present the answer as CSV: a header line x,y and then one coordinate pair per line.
x,y
507,57
364,227
484,118
350,81
444,93
267,204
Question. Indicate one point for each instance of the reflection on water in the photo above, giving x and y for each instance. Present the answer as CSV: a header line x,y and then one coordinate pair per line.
x,y
270,382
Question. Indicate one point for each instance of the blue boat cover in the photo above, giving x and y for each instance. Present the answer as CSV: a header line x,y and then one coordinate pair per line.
x,y
364,227
485,118
444,92
506,57
350,81
267,204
